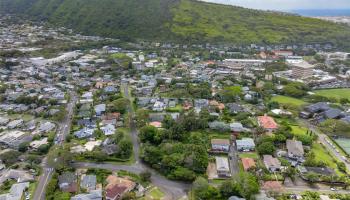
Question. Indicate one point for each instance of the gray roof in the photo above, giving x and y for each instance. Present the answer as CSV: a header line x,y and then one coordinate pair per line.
x,y
295,147
93,195
88,182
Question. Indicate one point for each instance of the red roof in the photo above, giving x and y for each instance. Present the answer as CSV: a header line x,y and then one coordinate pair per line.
x,y
272,186
115,192
267,122
248,163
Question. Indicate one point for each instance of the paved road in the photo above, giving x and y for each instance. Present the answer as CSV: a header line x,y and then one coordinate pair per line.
x,y
300,190
233,158
322,139
62,132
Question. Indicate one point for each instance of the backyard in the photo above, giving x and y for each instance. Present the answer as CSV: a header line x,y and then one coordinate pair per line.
x,y
287,100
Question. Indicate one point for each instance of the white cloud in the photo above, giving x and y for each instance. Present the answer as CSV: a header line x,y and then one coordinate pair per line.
x,y
287,4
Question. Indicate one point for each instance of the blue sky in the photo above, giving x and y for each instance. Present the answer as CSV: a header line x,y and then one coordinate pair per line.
x,y
288,4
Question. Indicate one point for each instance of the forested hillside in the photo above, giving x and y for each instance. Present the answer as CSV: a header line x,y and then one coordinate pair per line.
x,y
179,20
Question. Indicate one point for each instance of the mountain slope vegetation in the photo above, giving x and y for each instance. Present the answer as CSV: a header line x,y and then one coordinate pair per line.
x,y
179,20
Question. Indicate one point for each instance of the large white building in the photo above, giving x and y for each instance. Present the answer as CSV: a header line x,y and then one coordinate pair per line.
x,y
302,70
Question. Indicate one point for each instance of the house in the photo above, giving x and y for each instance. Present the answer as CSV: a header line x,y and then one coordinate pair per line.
x,y
159,106
271,163
110,149
90,145
245,144
317,107
87,95
248,163
93,195
100,109
16,191
237,127
15,124
156,124
37,143
219,126
110,89
46,127
333,113
68,182
201,103
295,150
220,145
19,176
116,187
109,129
268,123
234,108
88,182
273,186
4,121
84,133
222,167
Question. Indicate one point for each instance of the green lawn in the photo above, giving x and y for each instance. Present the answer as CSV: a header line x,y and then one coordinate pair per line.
x,y
253,155
298,130
288,100
155,194
323,155
334,93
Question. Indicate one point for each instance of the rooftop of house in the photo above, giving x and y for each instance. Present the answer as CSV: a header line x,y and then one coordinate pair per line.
x,y
248,163
220,141
267,122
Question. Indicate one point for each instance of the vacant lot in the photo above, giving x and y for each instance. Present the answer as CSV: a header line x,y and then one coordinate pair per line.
x,y
334,93
287,100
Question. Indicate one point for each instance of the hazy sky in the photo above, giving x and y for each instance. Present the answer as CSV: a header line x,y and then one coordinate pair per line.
x,y
288,4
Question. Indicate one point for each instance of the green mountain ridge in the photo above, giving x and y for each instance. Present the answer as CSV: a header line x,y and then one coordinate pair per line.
x,y
179,21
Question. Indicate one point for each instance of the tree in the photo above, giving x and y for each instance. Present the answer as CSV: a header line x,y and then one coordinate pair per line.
x,y
312,177
181,173
266,148
202,190
168,122
229,188
341,166
146,176
10,157
51,187
23,147
248,184
62,195
125,148
120,105
290,172
43,149
60,158
150,134
142,117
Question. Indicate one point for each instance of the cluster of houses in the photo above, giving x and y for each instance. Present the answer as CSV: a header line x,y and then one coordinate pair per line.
x,y
114,189
321,111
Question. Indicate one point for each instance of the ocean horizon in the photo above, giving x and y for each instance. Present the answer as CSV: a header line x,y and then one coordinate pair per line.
x,y
322,12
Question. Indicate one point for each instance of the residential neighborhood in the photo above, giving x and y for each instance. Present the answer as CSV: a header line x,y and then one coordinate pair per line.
x,y
92,118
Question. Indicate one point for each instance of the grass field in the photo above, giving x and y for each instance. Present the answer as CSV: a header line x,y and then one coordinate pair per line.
x,y
344,143
323,155
287,100
298,130
155,194
249,155
334,93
